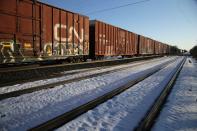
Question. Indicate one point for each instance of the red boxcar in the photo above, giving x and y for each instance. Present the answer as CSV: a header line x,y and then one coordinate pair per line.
x,y
108,40
146,46
165,49
157,47
30,30
161,48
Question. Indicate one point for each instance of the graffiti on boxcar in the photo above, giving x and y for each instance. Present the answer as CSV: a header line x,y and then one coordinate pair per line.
x,y
109,48
62,49
8,51
66,46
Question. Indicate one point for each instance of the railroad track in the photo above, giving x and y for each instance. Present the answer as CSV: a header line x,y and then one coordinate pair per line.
x,y
53,75
52,85
68,116
152,114
9,76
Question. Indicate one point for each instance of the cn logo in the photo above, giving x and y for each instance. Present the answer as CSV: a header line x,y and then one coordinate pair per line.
x,y
58,27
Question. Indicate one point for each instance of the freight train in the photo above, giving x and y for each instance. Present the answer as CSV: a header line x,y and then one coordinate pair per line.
x,y
31,31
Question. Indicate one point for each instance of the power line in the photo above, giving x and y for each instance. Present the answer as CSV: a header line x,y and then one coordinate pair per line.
x,y
116,7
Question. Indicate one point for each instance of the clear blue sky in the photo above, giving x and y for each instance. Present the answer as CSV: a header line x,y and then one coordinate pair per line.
x,y
169,21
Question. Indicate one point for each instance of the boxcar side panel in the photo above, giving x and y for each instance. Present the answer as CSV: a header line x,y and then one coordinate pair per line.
x,y
81,35
127,43
37,26
132,43
47,31
63,33
97,37
106,47
86,36
104,39
8,46
75,35
121,44
115,40
110,33
100,34
156,47
135,47
25,23
70,34
142,48
57,33
111,41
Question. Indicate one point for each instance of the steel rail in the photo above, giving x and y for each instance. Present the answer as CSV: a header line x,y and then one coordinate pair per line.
x,y
35,66
149,119
11,76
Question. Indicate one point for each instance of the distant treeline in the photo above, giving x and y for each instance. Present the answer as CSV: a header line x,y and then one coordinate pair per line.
x,y
193,51
175,50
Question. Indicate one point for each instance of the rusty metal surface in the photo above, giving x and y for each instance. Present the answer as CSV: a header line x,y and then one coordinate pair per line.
x,y
112,41
146,46
37,30
132,46
161,48
142,45
156,47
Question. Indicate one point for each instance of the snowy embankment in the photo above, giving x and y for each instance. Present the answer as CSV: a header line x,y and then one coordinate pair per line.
x,y
180,111
126,110
91,71
26,111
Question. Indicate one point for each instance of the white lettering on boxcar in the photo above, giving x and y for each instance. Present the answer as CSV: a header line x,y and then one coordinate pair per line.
x,y
71,29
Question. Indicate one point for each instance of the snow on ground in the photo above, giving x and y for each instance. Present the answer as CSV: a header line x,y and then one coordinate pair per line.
x,y
26,111
124,111
16,87
180,111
